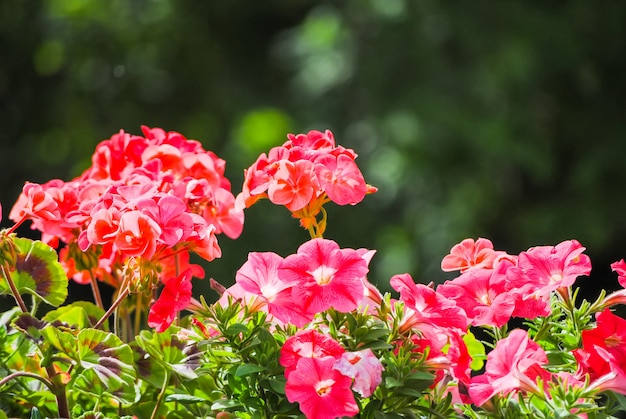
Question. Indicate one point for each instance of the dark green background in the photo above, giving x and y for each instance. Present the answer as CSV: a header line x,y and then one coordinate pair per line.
x,y
502,120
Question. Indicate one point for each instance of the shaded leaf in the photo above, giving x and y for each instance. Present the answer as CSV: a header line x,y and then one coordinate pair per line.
x,y
184,399
29,325
38,272
247,369
88,382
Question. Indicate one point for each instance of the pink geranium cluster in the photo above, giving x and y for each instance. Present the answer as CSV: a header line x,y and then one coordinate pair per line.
x,y
147,199
307,171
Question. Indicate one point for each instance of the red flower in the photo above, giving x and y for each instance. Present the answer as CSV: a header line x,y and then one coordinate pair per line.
x,y
175,297
321,390
603,355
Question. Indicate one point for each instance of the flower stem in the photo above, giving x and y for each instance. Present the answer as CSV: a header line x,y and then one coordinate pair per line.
x,y
115,304
18,298
96,290
161,396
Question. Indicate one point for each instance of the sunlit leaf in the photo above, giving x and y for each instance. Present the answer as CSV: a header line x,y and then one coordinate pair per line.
x,y
476,350
80,314
166,348
107,356
38,272
62,340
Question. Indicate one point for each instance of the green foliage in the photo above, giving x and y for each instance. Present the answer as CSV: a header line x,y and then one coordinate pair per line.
x,y
37,272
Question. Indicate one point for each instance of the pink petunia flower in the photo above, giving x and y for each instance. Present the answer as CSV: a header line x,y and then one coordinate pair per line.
x,y
513,365
620,269
424,305
307,344
325,276
482,294
259,276
548,268
321,391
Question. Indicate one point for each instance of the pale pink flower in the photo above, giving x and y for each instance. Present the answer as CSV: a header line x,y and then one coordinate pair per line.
x,y
364,368
469,254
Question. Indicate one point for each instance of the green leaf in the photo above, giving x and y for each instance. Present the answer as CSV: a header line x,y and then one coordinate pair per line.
x,y
38,272
34,414
110,358
476,351
29,325
80,315
225,404
167,349
247,369
184,399
88,382
62,340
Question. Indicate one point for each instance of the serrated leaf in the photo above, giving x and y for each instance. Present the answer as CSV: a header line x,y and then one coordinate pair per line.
x,y
79,314
38,272
247,369
184,399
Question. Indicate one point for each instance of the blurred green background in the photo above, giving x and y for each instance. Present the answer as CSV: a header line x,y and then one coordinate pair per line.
x,y
503,120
